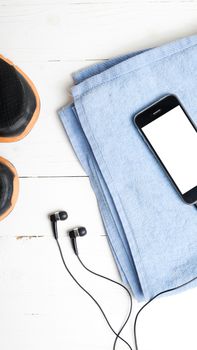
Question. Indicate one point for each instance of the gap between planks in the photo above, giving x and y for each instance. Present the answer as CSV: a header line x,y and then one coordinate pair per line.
x,y
19,237
53,176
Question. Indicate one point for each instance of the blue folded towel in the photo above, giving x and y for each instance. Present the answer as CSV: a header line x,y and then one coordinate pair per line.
x,y
152,233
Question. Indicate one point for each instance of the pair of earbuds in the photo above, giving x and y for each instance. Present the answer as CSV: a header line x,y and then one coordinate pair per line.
x,y
80,232
73,233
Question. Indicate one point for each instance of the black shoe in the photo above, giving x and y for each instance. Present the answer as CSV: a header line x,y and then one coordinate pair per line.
x,y
9,185
19,103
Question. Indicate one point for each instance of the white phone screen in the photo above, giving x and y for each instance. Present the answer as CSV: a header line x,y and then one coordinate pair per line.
x,y
174,139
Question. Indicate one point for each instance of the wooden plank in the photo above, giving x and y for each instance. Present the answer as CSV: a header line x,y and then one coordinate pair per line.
x,y
36,3
41,307
39,302
40,196
175,315
64,30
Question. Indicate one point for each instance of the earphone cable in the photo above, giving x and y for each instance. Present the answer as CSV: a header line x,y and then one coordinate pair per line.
x,y
150,301
96,302
119,284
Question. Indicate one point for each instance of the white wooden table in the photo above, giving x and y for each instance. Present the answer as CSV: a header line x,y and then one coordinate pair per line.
x,y
40,306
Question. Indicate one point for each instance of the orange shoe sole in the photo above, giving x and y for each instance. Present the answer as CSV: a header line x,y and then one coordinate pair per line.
x,y
36,112
15,187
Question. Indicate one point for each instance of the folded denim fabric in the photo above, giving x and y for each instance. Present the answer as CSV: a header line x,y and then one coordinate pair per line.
x,y
152,233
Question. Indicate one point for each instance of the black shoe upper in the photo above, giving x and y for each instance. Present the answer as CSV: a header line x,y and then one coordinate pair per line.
x,y
17,101
6,188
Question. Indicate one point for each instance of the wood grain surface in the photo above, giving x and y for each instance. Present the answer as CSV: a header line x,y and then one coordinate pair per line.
x,y
40,306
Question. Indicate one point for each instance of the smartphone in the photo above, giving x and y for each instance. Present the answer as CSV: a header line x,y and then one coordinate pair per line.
x,y
172,137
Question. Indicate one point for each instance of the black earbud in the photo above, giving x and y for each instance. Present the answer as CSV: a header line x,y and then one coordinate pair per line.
x,y
74,233
58,215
